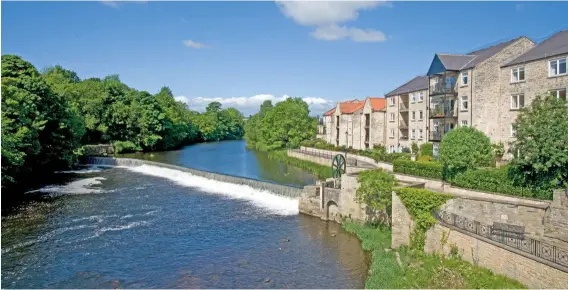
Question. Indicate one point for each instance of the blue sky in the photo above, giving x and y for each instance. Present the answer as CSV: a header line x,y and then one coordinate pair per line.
x,y
241,53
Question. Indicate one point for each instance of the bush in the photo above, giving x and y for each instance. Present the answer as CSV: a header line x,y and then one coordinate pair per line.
x,y
405,150
321,171
497,180
376,192
427,149
465,148
125,147
414,148
425,169
425,158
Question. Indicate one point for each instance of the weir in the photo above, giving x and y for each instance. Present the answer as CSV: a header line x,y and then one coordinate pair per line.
x,y
278,189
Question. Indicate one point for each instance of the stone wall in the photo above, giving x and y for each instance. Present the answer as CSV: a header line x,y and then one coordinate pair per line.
x,y
383,165
487,254
283,190
402,223
98,150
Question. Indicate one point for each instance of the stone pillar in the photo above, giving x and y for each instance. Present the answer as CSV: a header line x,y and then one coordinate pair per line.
x,y
560,198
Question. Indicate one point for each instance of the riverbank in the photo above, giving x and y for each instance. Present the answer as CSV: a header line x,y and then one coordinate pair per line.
x,y
405,268
321,171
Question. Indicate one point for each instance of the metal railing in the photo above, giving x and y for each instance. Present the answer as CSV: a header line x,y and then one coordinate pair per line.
x,y
512,238
318,153
442,88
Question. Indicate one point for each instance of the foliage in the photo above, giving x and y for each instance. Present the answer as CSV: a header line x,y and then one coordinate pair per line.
x,y
425,158
40,131
217,124
464,148
285,125
405,150
542,142
498,149
125,147
414,147
375,191
497,180
427,149
429,169
420,203
419,270
321,171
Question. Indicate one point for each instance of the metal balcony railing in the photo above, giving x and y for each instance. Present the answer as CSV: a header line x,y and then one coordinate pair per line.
x,y
442,111
436,136
442,87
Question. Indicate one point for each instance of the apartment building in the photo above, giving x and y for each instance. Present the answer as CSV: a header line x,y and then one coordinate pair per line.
x,y
407,114
464,90
540,70
356,124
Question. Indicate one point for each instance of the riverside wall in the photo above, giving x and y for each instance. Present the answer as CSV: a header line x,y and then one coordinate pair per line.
x,y
282,190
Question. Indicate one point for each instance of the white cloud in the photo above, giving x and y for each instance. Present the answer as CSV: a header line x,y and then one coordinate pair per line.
x,y
112,4
115,4
250,105
326,15
334,32
194,44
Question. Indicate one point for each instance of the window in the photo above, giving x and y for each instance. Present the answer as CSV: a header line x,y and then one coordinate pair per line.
x,y
413,115
391,133
464,76
517,101
391,101
420,134
464,123
421,97
517,74
413,98
413,134
557,67
559,93
421,115
391,148
464,103
392,117
513,132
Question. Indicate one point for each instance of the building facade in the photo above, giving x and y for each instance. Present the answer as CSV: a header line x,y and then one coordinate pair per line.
x,y
407,115
464,90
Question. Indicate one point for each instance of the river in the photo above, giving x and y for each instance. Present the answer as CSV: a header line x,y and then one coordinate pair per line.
x,y
151,227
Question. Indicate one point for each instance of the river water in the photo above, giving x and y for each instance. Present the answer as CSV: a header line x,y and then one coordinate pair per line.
x,y
151,227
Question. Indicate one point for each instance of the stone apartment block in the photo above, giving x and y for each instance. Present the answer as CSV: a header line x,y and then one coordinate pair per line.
x,y
407,114
539,71
356,124
465,90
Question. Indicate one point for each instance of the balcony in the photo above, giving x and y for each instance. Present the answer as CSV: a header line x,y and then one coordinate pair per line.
x,y
443,84
403,107
403,137
436,136
442,110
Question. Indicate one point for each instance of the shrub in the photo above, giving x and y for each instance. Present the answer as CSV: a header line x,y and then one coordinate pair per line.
x,y
420,203
376,192
425,158
405,150
425,169
427,149
125,147
321,171
497,180
390,157
498,149
414,148
465,148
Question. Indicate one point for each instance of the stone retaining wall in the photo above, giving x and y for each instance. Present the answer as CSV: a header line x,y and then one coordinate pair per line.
x,y
384,165
98,150
283,190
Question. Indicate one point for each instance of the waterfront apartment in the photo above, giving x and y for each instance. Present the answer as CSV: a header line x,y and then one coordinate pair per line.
x,y
540,70
464,90
407,114
356,124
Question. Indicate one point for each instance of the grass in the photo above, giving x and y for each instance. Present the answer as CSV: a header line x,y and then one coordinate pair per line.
x,y
321,171
420,270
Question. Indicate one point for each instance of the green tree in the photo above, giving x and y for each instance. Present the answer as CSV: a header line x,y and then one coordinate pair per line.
x,y
541,144
39,130
464,148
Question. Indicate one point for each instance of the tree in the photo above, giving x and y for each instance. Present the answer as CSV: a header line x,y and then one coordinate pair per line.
x,y
540,148
464,148
39,130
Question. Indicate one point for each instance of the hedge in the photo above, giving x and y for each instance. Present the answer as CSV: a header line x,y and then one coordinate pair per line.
x,y
430,169
427,149
497,180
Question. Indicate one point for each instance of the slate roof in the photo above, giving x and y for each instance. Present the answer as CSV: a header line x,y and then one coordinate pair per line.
x,y
455,61
416,84
555,45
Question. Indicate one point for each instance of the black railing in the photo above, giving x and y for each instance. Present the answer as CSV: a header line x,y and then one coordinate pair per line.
x,y
435,136
508,235
442,88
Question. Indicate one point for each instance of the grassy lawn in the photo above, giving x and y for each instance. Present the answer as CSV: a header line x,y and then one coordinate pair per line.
x,y
321,171
418,269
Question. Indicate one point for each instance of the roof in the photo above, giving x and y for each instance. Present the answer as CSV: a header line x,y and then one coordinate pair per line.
x,y
483,54
329,113
454,61
555,45
416,84
351,107
377,103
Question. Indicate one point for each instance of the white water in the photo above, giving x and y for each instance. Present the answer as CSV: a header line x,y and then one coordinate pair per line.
x,y
82,186
264,199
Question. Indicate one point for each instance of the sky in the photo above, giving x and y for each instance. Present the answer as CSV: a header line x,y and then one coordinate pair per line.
x,y
242,53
